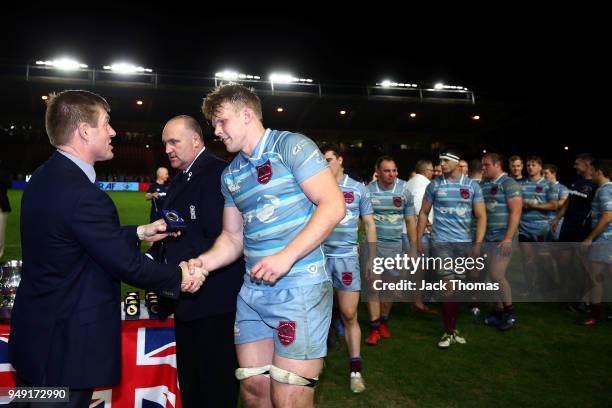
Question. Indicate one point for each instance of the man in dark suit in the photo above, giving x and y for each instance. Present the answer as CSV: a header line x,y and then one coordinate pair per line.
x,y
204,321
66,322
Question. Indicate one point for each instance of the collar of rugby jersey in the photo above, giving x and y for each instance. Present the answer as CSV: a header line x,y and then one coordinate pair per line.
x,y
258,151
87,168
379,188
450,180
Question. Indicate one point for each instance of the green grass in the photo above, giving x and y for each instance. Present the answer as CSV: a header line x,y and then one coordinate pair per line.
x,y
546,361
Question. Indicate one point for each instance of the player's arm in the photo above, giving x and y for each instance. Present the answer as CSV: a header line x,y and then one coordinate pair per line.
x,y
423,219
480,212
602,224
515,209
369,228
228,246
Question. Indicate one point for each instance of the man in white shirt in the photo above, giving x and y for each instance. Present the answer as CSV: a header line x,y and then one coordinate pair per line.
x,y
416,186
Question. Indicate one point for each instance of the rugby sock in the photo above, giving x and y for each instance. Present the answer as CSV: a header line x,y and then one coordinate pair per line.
x,y
375,324
508,310
355,364
596,310
384,319
449,315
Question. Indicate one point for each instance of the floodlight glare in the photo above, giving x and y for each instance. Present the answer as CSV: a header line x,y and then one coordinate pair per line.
x,y
126,68
65,64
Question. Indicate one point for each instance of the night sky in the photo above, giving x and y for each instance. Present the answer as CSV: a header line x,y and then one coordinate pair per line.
x,y
538,60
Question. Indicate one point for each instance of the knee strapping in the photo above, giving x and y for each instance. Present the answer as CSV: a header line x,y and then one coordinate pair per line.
x,y
244,373
287,377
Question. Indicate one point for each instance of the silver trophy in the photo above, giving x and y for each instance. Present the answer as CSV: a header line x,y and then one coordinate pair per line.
x,y
9,281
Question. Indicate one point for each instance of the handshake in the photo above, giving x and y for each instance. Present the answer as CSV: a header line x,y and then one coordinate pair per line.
x,y
193,271
194,275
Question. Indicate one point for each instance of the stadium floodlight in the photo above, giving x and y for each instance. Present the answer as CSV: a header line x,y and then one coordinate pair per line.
x,y
233,75
65,64
284,78
413,115
126,68
440,86
280,78
388,84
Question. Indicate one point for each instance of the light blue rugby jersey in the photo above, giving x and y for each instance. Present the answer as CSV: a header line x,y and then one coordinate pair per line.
x,y
390,208
563,193
533,222
453,203
266,189
602,202
343,239
496,194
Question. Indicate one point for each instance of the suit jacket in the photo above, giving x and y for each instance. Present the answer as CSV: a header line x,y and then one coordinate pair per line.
x,y
66,321
199,201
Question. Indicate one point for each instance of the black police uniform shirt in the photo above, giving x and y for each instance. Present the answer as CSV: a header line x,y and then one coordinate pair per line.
x,y
162,189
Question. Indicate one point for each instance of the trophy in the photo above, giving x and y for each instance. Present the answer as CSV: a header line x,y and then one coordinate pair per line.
x,y
152,304
131,305
11,276
174,222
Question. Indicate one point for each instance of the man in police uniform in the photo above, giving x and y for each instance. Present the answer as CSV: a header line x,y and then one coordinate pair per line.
x,y
156,193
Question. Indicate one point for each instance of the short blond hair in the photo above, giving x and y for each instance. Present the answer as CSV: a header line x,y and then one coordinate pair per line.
x,y
69,108
237,95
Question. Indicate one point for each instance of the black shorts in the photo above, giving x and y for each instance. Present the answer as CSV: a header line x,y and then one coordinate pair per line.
x,y
525,238
569,233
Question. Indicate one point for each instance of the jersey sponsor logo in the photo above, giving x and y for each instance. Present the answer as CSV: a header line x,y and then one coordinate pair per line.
x,y
465,193
579,194
264,172
494,190
397,201
266,205
491,206
347,217
347,278
349,197
460,211
539,189
286,332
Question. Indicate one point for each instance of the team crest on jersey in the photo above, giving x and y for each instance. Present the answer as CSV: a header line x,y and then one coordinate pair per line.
x,y
286,332
465,193
264,172
349,197
397,201
347,278
585,189
539,189
494,190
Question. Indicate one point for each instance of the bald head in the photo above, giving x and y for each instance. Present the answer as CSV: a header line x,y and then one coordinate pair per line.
x,y
162,175
183,138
